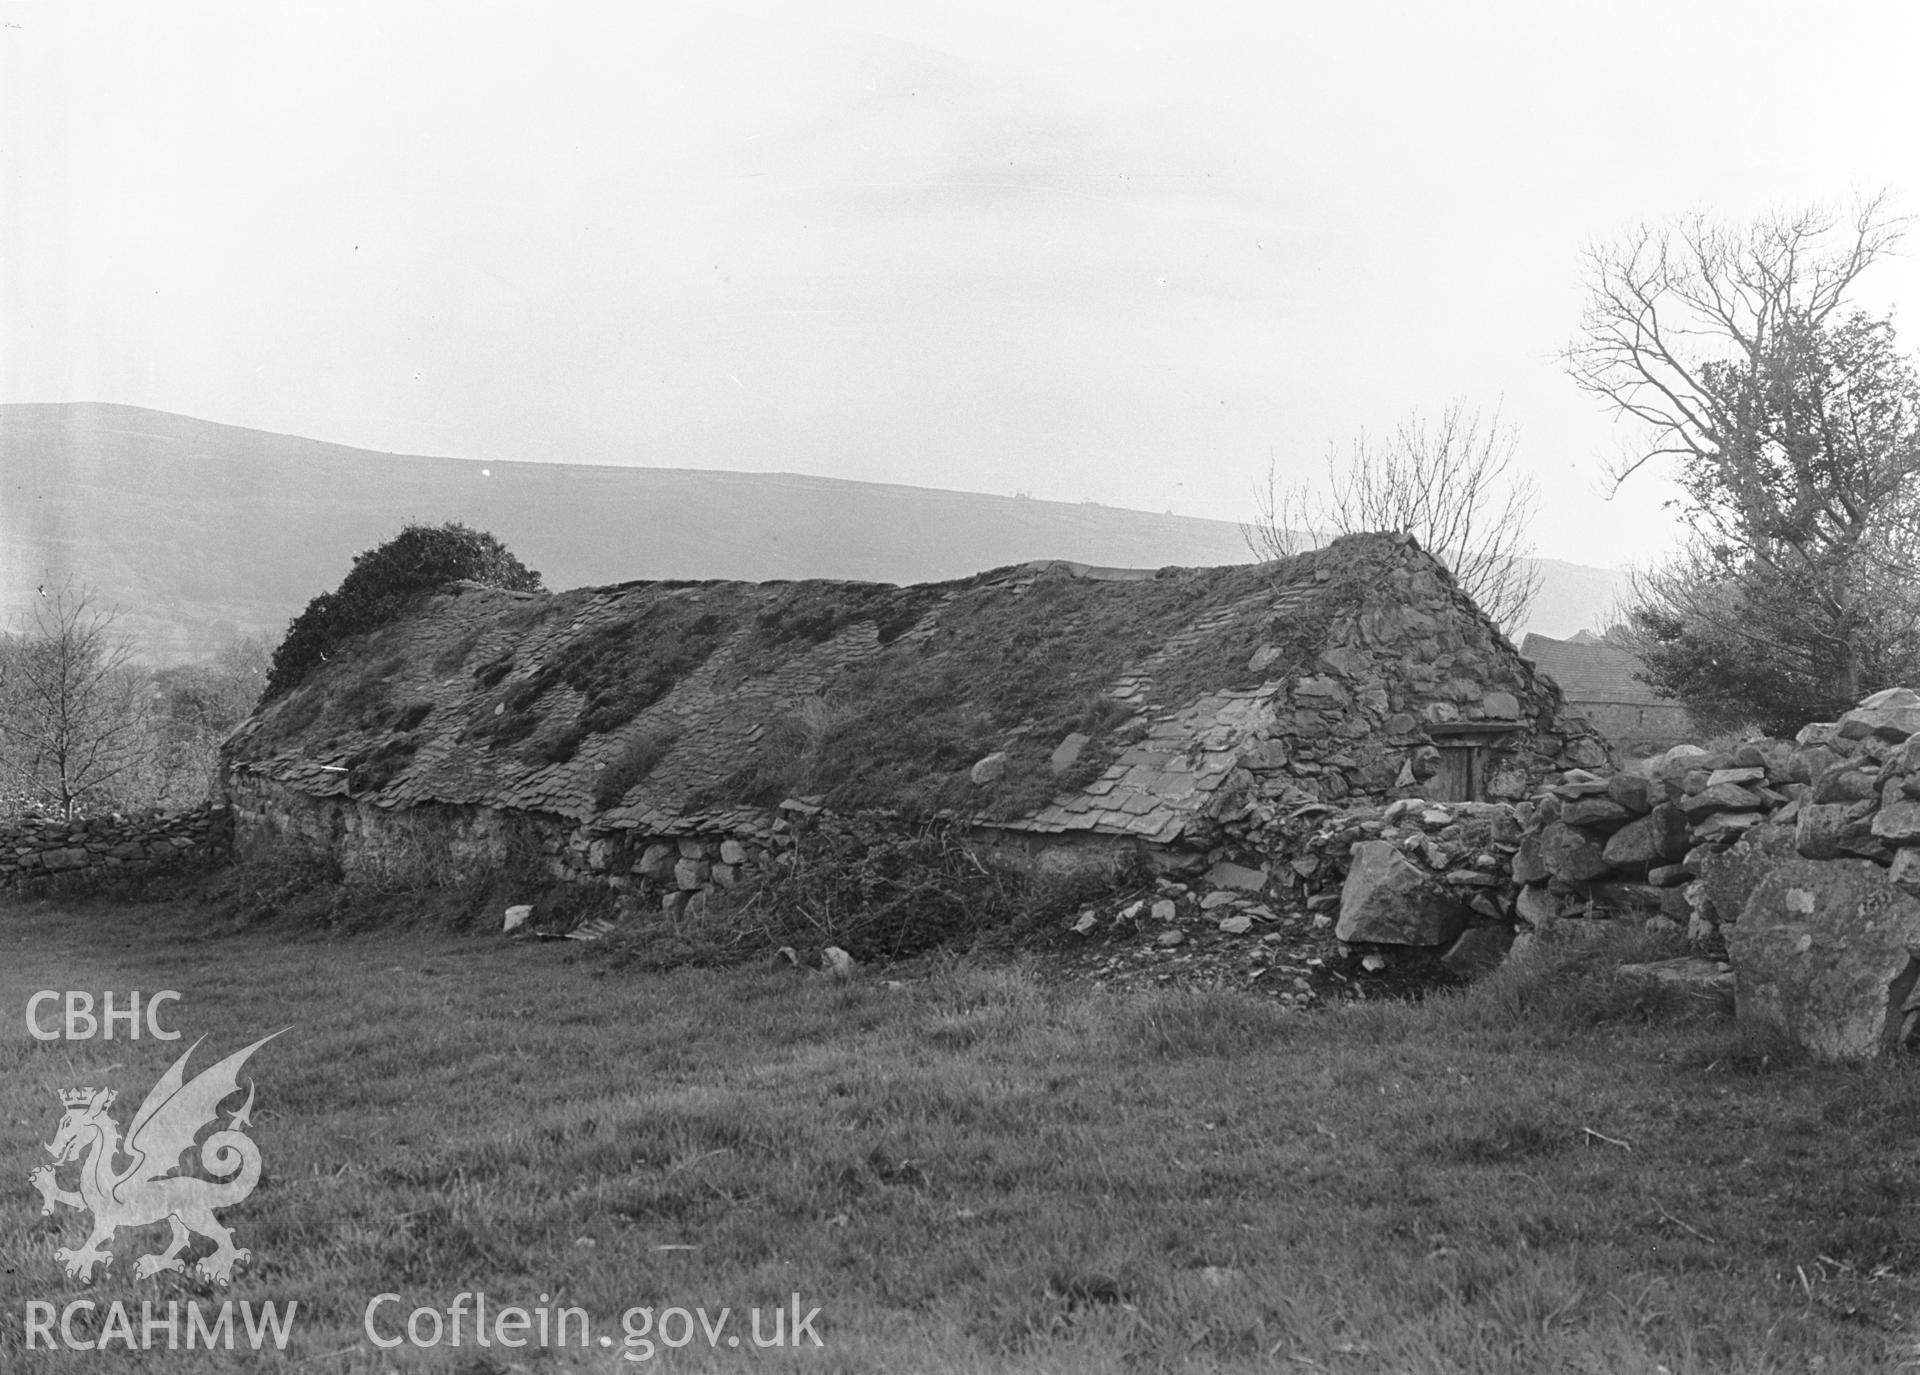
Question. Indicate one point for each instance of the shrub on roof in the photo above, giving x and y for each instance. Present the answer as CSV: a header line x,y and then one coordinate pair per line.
x,y
380,585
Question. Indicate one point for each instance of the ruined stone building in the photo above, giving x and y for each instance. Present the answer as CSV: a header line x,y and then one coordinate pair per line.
x,y
653,733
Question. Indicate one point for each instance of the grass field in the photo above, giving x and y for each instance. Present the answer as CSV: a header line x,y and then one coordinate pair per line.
x,y
968,1168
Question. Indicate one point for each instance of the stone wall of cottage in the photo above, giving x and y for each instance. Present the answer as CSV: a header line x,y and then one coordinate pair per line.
x,y
674,872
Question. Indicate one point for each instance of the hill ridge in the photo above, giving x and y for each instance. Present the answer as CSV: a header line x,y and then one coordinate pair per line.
x,y
200,530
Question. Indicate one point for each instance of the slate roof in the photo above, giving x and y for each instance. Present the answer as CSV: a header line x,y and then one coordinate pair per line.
x,y
1232,675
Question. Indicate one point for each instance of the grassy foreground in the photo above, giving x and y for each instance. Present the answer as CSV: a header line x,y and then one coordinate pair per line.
x,y
967,1169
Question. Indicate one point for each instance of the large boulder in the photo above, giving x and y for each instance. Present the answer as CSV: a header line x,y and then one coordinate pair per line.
x,y
1662,834
1893,715
1390,900
1571,855
1823,951
1834,830
1728,877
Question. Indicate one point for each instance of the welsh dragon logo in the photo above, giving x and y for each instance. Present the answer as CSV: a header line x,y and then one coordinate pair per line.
x,y
147,1190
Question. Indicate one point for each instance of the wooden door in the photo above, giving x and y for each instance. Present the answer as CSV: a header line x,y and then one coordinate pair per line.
x,y
1456,781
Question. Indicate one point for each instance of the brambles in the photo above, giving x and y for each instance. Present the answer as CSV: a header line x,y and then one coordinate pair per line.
x,y
382,582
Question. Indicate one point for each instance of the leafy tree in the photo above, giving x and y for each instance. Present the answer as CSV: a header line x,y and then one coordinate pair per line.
x,y
382,583
73,710
196,706
1703,624
1793,420
1451,486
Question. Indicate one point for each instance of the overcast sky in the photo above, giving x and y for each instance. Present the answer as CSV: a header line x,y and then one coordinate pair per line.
x,y
1100,251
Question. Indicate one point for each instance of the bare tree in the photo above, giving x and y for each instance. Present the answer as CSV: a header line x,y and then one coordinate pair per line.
x,y
1792,419
1451,485
72,709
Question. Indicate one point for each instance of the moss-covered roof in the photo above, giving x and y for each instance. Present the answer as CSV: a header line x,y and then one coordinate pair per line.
x,y
1123,701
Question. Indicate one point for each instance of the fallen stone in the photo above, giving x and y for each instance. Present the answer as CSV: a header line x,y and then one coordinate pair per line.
x,y
1892,697
1845,781
989,770
516,916
1675,761
838,962
1703,931
1755,774
1633,899
1725,825
1728,877
1601,814
1823,829
1065,753
1711,981
1588,752
1237,925
1478,951
1169,939
1530,860
1631,791
1220,897
1536,906
1389,900
1165,910
1660,834
1904,873
1570,855
1808,762
1891,715
1824,952
1897,823
1722,797
1576,783
1236,876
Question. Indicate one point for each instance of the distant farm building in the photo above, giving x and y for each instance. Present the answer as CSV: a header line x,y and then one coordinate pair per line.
x,y
1600,681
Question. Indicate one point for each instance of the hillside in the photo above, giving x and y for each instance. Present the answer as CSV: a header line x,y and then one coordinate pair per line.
x,y
198,530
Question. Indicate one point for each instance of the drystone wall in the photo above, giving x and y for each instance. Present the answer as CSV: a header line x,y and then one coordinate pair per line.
x,y
45,850
1798,861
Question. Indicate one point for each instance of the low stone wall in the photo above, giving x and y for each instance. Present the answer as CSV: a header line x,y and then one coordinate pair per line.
x,y
45,850
1798,859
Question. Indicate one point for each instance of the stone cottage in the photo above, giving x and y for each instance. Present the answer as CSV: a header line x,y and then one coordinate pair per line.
x,y
661,737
